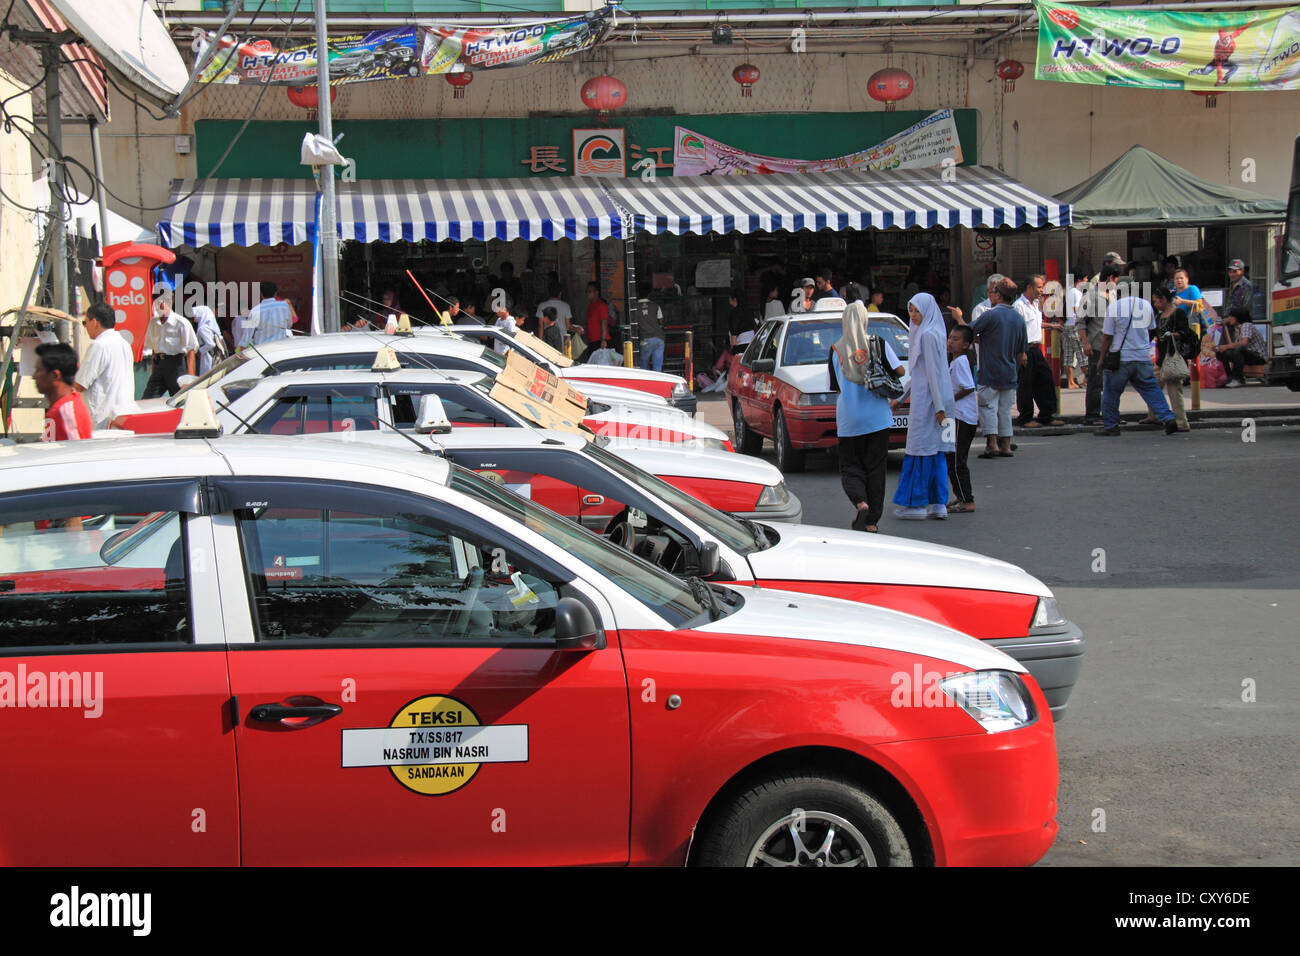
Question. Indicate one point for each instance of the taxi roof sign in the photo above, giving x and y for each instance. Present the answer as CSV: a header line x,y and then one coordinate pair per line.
x,y
386,360
433,417
404,324
199,418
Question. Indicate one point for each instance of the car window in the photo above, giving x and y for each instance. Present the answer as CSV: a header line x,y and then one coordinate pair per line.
x,y
655,588
894,333
809,343
768,349
465,407
318,409
69,577
756,346
322,574
326,363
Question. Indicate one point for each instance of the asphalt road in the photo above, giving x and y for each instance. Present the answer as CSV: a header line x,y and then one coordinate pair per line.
x,y
1198,601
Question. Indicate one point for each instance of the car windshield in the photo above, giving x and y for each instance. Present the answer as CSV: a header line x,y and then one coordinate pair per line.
x,y
718,523
214,375
809,343
497,360
667,596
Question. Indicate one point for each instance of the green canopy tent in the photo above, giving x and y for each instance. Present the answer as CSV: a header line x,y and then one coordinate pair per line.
x,y
1143,190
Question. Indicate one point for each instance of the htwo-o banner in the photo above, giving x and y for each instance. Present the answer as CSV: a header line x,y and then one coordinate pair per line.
x,y
927,143
417,50
1157,49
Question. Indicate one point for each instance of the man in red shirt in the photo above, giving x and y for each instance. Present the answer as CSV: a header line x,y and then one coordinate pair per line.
x,y
67,418
597,321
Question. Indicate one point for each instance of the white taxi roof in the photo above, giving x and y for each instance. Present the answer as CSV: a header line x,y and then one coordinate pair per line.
x,y
54,464
355,376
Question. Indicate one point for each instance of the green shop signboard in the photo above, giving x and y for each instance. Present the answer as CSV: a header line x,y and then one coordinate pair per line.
x,y
546,146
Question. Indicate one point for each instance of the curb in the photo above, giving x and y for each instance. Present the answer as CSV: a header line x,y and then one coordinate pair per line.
x,y
1198,424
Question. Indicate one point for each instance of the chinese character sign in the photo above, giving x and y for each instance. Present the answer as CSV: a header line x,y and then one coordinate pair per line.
x,y
1128,46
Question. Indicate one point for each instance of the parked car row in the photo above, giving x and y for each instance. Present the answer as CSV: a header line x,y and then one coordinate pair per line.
x,y
427,593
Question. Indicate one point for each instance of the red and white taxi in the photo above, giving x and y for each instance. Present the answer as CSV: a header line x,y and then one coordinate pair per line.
x,y
352,350
668,521
780,388
426,655
310,402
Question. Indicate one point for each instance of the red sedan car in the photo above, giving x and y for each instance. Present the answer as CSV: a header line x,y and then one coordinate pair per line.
x,y
780,388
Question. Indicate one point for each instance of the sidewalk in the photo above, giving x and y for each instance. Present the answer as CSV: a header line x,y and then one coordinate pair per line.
x,y
1220,407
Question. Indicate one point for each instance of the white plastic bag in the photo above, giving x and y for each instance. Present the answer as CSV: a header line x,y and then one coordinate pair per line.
x,y
603,357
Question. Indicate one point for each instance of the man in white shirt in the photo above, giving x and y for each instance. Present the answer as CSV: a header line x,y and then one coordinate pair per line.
x,y
563,314
1036,385
106,375
269,320
171,339
1128,326
987,304
504,321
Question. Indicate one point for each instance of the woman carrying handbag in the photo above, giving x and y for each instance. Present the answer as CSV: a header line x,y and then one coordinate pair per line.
x,y
1175,340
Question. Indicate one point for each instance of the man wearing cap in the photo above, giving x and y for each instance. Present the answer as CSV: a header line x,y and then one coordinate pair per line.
x,y
803,300
1241,291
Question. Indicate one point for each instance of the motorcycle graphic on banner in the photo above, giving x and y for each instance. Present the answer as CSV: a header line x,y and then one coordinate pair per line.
x,y
417,50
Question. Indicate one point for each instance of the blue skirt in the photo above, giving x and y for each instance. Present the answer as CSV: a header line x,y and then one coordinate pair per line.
x,y
924,481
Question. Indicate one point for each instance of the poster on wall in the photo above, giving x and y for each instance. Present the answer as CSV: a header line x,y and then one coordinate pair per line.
x,y
1158,49
927,143
423,49
289,267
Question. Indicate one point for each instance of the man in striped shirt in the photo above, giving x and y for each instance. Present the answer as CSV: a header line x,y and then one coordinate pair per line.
x,y
269,320
67,418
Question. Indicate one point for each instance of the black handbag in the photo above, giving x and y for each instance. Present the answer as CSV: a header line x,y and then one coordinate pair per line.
x,y
1111,362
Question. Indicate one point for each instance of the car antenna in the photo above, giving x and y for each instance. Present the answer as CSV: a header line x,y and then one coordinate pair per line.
x,y
243,421
430,449
270,369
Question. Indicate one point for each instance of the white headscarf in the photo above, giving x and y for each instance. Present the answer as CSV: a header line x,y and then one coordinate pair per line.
x,y
930,385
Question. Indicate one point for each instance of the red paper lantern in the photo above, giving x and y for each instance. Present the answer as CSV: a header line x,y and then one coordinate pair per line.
x,y
1008,72
1211,98
603,93
746,75
889,86
459,81
308,97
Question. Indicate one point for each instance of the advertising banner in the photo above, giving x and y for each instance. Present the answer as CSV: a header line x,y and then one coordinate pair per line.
x,y
1157,49
927,143
421,49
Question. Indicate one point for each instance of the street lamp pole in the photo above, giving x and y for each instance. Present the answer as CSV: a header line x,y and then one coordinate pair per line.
x,y
329,233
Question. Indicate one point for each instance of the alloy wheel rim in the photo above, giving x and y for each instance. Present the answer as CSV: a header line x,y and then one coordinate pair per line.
x,y
811,838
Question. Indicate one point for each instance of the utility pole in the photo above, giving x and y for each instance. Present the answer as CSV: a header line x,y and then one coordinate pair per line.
x,y
54,126
329,233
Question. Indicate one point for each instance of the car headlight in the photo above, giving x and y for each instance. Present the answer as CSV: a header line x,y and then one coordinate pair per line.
x,y
997,700
774,496
705,443
816,398
1048,613
681,391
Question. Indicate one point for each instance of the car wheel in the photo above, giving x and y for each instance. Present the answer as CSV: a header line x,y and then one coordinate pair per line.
x,y
787,459
803,820
748,441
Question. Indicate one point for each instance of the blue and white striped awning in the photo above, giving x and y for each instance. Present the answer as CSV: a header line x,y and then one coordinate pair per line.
x,y
246,212
971,196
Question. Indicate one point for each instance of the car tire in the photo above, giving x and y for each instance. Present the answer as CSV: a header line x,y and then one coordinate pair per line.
x,y
748,441
785,820
787,459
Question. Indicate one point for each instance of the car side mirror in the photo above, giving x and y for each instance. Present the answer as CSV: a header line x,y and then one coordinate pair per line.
x,y
710,560
576,627
763,365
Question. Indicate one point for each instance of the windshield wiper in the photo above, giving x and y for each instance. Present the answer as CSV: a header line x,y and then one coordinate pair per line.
x,y
704,594
755,529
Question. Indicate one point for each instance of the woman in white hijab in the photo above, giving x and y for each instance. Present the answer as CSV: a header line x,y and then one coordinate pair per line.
x,y
212,347
862,418
931,429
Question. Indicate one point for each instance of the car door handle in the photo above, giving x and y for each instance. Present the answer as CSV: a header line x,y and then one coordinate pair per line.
x,y
269,713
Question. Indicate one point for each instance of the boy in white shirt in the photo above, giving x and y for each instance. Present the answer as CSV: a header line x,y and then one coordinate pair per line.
x,y
966,416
